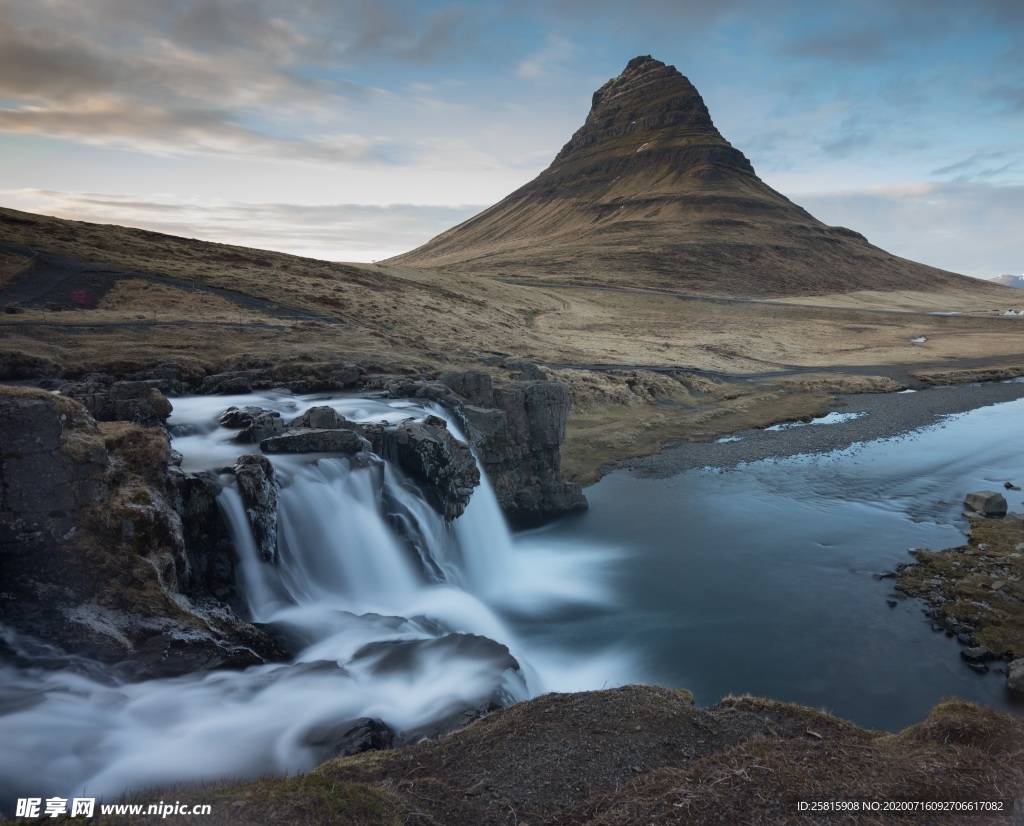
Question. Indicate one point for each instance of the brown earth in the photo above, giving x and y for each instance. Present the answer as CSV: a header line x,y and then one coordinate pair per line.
x,y
155,298
641,754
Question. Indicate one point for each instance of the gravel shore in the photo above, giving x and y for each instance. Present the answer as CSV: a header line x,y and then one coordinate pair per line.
x,y
887,415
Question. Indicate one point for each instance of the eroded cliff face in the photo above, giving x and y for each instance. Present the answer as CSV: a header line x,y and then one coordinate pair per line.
x,y
95,555
516,430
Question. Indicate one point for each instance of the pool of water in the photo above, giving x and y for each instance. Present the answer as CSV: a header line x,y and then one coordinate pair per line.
x,y
761,578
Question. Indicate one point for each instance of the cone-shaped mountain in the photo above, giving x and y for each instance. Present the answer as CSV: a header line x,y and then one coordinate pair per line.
x,y
649,194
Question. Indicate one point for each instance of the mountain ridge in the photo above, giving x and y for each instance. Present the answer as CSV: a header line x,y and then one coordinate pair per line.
x,y
649,193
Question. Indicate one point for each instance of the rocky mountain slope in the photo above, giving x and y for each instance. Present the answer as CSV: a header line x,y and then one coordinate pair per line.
x,y
1010,280
649,194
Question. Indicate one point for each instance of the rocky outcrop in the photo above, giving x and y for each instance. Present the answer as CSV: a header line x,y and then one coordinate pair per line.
x,y
208,543
517,432
1015,677
52,463
122,401
96,558
350,737
986,502
308,440
257,486
236,381
443,465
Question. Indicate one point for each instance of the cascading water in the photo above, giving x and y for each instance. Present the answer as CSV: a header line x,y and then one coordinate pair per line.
x,y
392,614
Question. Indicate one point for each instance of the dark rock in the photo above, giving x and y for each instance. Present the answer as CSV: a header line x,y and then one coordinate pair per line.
x,y
472,385
980,667
516,431
986,502
240,416
350,737
208,544
964,639
347,375
257,486
109,576
429,453
123,401
977,654
236,381
316,441
172,377
319,418
891,603
526,371
266,424
1015,676
1011,486
52,463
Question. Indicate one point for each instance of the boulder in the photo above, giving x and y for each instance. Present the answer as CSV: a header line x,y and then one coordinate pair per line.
x,y
429,453
240,416
987,503
350,737
320,418
1015,677
311,440
123,401
257,486
236,381
263,426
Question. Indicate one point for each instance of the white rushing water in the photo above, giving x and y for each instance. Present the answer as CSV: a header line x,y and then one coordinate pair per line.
x,y
392,614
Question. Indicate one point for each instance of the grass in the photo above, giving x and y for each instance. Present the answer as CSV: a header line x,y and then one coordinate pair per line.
x,y
980,585
640,754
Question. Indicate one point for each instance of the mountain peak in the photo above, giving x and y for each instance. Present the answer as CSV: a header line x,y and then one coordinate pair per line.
x,y
651,99
647,193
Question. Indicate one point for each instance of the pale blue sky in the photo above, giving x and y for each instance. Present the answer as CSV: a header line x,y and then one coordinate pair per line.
x,y
354,130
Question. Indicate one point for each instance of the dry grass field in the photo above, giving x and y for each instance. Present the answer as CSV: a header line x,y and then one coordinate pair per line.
x,y
221,307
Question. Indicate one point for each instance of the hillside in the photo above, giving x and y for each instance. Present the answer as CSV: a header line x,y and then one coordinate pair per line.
x,y
648,193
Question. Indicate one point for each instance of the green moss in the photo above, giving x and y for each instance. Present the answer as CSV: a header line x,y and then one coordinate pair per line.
x,y
980,584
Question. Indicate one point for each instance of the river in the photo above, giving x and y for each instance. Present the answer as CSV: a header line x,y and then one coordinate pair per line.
x,y
756,579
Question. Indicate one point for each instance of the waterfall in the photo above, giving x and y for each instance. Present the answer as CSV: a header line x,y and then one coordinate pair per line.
x,y
390,613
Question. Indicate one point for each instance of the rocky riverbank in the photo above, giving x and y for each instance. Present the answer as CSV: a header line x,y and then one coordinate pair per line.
x,y
112,552
863,417
975,592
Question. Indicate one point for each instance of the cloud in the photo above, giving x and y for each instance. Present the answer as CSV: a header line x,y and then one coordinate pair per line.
x,y
210,76
967,227
337,232
864,45
551,58
984,165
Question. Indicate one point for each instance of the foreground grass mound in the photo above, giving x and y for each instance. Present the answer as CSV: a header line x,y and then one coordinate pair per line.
x,y
641,754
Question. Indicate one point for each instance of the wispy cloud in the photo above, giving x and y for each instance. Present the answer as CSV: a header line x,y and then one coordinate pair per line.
x,y
337,232
209,76
968,227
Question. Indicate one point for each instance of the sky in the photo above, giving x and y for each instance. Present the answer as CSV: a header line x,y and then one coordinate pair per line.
x,y
354,130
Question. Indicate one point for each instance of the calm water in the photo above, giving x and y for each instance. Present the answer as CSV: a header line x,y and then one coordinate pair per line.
x,y
760,579
756,579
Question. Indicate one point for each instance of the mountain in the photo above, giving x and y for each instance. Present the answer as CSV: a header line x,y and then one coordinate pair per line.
x,y
1009,280
649,194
